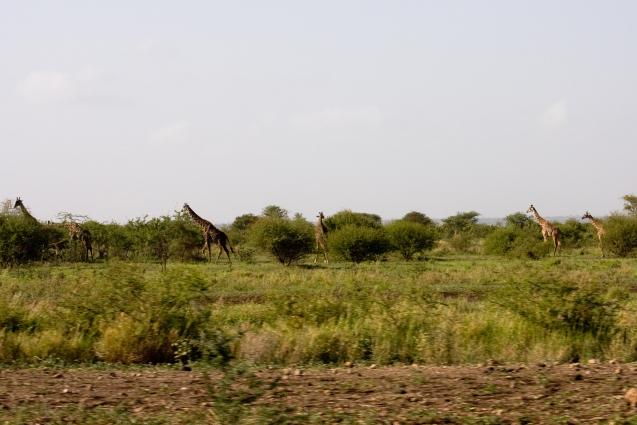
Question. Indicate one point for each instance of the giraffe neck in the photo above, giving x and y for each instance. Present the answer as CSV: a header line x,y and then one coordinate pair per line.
x,y
596,223
201,222
538,217
544,223
26,213
320,226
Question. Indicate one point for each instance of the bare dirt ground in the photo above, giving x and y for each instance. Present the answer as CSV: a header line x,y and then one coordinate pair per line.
x,y
590,393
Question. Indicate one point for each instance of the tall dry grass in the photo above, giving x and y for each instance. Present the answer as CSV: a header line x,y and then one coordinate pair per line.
x,y
448,311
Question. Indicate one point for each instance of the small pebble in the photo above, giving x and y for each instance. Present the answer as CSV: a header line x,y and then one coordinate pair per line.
x,y
631,397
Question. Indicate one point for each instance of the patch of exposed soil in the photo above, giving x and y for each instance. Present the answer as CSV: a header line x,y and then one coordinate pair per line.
x,y
590,393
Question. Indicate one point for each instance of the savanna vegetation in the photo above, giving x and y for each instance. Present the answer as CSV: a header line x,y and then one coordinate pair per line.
x,y
413,290
435,312
410,290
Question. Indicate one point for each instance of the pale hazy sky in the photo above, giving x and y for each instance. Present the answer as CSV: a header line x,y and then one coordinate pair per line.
x,y
117,109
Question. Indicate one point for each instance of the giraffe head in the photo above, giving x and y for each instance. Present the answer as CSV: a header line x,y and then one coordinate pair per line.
x,y
185,207
18,203
587,215
320,215
531,209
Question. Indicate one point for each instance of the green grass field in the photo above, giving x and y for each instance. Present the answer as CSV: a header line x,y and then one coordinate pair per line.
x,y
440,311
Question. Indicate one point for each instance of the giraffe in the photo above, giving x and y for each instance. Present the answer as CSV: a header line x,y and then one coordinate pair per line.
x,y
55,247
211,235
78,233
25,211
320,234
599,226
548,229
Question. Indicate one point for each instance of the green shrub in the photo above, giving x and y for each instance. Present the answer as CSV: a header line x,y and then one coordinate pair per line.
x,y
410,238
246,254
461,223
460,243
147,239
287,240
357,244
350,218
22,240
516,242
463,233
621,235
576,234
519,220
240,228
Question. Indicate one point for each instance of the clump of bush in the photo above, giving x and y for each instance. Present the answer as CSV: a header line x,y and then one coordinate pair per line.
x,y
357,244
351,218
516,242
288,240
22,240
576,234
621,236
240,228
410,238
462,233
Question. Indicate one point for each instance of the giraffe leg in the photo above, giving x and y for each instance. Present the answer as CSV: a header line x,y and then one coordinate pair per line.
x,y
220,252
557,243
206,245
225,248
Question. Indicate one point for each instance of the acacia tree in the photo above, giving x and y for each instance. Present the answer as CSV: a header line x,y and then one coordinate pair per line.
x,y
347,218
630,204
417,217
274,211
460,223
519,220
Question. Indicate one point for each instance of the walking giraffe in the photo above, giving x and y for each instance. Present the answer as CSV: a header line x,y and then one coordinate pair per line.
x,y
320,234
599,226
211,235
548,229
